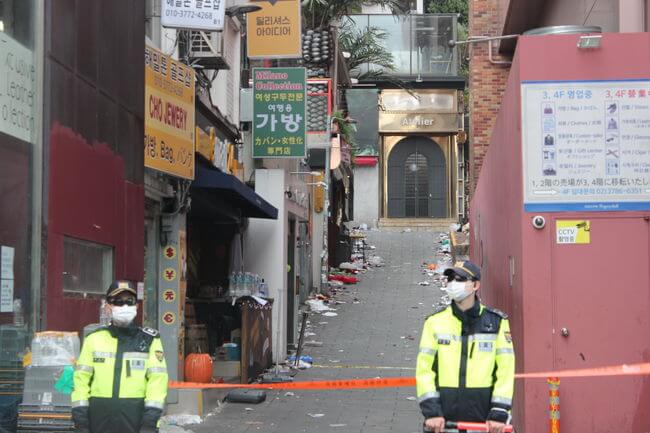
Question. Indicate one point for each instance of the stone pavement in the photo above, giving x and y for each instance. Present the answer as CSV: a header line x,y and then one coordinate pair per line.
x,y
381,330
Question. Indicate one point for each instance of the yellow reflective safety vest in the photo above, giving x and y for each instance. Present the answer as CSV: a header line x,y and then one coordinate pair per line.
x,y
466,365
120,381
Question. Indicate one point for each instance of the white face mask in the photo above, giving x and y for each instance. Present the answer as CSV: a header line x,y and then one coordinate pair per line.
x,y
457,290
124,315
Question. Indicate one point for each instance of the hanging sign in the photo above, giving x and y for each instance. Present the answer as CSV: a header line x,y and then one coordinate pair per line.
x,y
275,31
208,15
168,115
279,113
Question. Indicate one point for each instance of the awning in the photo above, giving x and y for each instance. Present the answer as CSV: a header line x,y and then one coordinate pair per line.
x,y
228,188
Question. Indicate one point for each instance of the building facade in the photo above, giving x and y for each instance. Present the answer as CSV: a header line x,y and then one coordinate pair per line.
x,y
409,164
490,61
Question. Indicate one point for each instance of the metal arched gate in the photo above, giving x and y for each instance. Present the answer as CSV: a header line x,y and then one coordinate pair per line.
x,y
417,180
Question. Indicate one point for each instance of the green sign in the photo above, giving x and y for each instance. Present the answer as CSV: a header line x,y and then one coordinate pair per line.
x,y
279,102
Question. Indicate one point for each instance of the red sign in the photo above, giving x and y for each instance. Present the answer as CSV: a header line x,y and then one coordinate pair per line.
x,y
169,318
169,296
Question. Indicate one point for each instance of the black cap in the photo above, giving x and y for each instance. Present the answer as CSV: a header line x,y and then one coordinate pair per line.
x,y
120,286
465,269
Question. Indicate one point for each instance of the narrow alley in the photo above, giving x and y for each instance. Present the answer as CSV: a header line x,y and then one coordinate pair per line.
x,y
375,333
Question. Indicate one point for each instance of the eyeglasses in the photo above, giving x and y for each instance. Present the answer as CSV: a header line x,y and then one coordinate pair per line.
x,y
456,277
123,301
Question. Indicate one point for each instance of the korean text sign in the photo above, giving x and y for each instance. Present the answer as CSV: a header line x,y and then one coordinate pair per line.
x,y
208,15
275,30
169,115
586,145
279,113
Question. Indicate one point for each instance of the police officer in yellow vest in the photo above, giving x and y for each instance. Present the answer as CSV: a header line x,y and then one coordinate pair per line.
x,y
120,380
466,363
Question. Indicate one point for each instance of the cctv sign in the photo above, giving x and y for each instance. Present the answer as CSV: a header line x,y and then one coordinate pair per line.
x,y
208,15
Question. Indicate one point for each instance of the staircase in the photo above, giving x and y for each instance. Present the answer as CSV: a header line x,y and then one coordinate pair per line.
x,y
416,224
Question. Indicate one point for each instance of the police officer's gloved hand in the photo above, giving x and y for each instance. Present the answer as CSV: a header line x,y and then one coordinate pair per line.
x,y
80,417
150,419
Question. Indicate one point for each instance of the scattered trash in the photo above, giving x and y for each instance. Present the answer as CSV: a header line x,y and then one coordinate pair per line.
x,y
330,314
424,283
338,425
289,394
316,415
334,361
305,358
181,419
363,227
376,261
314,343
411,398
344,279
407,231
249,409
317,305
351,266
309,334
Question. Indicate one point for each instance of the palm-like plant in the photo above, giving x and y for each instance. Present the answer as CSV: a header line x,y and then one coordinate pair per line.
x,y
365,48
322,12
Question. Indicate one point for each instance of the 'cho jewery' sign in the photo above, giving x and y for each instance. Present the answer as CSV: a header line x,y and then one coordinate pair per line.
x,y
279,113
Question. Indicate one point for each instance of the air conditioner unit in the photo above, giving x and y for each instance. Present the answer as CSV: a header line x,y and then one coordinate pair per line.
x,y
206,49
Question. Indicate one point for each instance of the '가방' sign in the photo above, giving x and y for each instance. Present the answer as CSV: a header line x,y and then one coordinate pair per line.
x,y
279,113
168,115
208,15
275,31
586,145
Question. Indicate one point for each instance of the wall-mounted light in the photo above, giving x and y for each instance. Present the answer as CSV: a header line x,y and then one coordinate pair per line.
x,y
589,42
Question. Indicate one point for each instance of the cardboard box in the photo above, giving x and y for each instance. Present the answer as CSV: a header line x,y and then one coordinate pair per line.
x,y
226,369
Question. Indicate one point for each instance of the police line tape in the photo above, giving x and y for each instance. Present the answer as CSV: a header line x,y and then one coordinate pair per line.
x,y
641,369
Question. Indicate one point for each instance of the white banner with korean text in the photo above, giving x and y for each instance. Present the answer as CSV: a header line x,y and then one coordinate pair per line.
x,y
586,145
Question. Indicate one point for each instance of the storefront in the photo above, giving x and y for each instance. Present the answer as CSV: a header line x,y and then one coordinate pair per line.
x,y
227,308
421,175
411,166
21,171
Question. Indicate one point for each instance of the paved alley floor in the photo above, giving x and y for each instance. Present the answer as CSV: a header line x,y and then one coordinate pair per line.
x,y
378,336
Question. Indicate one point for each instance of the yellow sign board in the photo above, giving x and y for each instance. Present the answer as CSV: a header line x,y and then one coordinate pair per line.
x,y
205,144
573,232
275,31
168,115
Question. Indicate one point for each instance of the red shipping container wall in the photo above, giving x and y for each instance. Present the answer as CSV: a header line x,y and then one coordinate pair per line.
x,y
599,293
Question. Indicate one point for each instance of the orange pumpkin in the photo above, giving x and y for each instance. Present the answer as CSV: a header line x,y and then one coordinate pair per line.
x,y
198,368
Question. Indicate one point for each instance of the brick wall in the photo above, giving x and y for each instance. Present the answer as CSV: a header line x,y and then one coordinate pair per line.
x,y
486,82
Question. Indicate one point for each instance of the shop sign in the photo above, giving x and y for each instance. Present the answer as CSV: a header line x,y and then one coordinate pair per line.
x,y
208,15
573,232
279,113
275,31
17,91
169,318
418,122
169,296
169,274
170,252
586,145
169,115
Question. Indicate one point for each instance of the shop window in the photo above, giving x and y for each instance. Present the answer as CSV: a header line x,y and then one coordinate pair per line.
x,y
87,267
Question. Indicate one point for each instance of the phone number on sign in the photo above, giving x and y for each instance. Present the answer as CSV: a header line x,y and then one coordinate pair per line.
x,y
189,14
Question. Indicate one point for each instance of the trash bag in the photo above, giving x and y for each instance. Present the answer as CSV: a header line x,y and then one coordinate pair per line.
x,y
65,384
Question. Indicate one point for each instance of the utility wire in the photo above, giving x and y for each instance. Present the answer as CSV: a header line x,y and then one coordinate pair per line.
x,y
589,13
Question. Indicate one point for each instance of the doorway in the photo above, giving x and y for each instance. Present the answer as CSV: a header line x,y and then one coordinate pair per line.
x,y
291,284
417,180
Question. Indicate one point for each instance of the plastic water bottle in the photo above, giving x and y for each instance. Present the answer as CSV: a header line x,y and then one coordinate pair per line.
x,y
19,317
